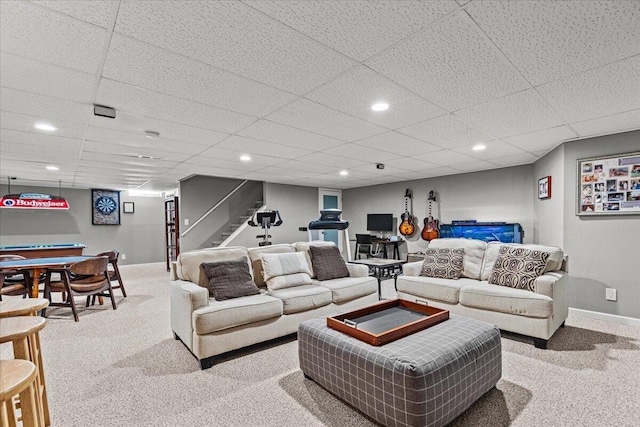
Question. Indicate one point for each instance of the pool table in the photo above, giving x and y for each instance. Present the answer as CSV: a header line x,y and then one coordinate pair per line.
x,y
44,251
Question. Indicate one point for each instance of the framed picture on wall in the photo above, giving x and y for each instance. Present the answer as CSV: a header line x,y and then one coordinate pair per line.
x,y
128,207
544,188
105,207
609,185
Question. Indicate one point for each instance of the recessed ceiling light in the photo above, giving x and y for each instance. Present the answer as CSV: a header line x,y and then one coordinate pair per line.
x,y
479,147
380,106
52,168
245,158
344,173
151,134
45,126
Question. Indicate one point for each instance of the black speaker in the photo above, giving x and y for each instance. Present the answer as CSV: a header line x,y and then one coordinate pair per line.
x,y
102,111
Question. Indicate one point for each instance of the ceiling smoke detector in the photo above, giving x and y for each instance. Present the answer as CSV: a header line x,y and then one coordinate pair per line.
x,y
379,165
151,134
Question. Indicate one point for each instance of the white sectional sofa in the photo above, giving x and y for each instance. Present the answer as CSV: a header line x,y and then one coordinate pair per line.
x,y
209,327
538,313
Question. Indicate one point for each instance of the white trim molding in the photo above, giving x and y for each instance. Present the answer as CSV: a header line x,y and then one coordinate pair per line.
x,y
623,320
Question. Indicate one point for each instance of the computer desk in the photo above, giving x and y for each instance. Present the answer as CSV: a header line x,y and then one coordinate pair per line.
x,y
384,243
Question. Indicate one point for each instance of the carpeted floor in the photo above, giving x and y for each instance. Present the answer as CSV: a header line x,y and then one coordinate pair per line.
x,y
123,368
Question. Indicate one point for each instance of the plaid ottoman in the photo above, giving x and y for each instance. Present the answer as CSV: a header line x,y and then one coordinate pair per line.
x,y
424,379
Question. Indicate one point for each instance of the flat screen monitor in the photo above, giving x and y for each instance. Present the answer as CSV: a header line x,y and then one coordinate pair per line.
x,y
379,222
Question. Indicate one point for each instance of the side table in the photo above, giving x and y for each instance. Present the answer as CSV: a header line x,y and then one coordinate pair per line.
x,y
379,265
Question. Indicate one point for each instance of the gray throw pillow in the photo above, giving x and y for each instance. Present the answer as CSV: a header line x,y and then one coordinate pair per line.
x,y
518,267
328,263
443,263
229,279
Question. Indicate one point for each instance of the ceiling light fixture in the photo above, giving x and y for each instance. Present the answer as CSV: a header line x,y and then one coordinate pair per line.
x,y
344,173
380,106
52,168
45,126
151,134
479,147
245,158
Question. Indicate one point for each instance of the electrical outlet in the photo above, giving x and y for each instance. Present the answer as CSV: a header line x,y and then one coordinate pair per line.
x,y
186,221
611,294
124,256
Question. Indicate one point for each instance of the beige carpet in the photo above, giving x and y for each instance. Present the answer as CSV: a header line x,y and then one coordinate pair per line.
x,y
123,368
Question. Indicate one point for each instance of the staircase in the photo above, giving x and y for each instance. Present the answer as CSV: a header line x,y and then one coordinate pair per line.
x,y
242,220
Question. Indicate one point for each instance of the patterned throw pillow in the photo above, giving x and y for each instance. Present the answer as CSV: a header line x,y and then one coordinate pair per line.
x,y
229,279
518,267
328,263
443,263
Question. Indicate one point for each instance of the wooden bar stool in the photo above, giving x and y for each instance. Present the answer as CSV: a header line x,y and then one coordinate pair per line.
x,y
22,307
19,377
23,332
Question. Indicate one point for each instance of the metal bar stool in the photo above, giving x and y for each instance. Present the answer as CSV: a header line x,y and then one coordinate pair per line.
x,y
19,377
22,307
23,332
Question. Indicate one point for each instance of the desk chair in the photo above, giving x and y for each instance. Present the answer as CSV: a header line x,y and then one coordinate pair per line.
x,y
364,245
114,273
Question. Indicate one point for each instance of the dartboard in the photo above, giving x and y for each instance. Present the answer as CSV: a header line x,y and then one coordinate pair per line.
x,y
106,205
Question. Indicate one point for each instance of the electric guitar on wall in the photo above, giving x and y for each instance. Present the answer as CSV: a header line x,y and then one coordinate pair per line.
x,y
431,228
408,226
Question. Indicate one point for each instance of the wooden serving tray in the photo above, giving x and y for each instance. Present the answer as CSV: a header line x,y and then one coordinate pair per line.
x,y
387,321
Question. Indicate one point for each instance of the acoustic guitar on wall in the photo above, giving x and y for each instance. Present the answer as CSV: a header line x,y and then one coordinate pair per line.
x,y
408,225
431,228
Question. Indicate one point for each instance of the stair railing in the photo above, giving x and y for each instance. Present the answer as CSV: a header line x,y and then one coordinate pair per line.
x,y
210,211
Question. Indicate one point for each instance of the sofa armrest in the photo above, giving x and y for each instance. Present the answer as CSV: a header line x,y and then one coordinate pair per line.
x,y
357,270
412,268
186,297
548,284
554,285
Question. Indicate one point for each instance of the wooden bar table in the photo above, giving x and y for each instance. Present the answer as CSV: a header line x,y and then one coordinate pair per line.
x,y
12,307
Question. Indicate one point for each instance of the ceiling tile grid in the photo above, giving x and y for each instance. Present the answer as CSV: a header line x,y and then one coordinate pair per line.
x,y
396,142
286,135
446,132
43,106
93,11
629,120
25,123
542,140
247,145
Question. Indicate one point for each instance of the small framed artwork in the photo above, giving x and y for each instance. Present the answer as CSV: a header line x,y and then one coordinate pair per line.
x,y
105,207
544,188
128,207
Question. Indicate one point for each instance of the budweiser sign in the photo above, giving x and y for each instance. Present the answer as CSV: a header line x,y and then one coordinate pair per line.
x,y
33,201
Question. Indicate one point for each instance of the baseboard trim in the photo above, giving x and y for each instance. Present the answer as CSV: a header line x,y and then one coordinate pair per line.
x,y
624,320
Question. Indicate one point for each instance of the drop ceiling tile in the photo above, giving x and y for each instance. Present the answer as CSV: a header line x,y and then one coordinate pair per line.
x,y
286,135
308,167
278,171
126,161
462,2
313,117
549,40
271,52
139,64
607,90
445,158
450,64
359,152
395,142
133,151
413,175
251,146
410,164
357,29
25,123
357,90
38,77
478,165
518,159
380,173
95,11
622,122
225,164
330,160
542,140
494,149
98,164
446,132
156,108
41,34
233,156
514,114
33,153
39,140
45,107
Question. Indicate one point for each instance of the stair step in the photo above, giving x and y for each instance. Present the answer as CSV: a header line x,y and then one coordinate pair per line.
x,y
216,243
245,218
259,203
235,225
225,234
252,211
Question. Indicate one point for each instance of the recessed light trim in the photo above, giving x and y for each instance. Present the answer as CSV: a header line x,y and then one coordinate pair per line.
x,y
245,158
479,147
52,168
344,173
45,126
151,134
380,106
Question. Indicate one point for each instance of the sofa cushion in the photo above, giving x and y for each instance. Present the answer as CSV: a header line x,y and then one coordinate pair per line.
x,y
189,264
517,267
506,300
229,279
304,248
433,288
554,262
444,263
288,281
284,263
255,255
473,253
350,288
219,315
328,263
302,298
